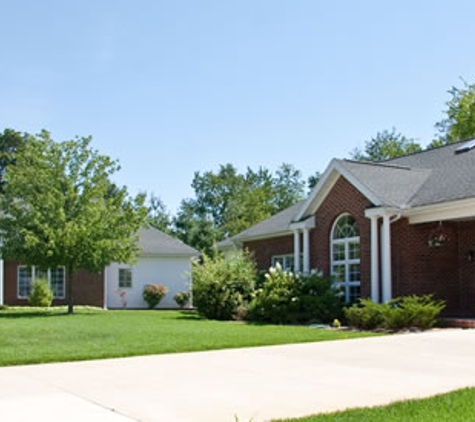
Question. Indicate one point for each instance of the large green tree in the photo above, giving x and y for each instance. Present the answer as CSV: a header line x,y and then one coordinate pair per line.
x,y
459,123
59,208
158,215
227,202
10,142
386,145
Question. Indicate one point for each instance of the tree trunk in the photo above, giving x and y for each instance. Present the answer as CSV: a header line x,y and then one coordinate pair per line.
x,y
69,278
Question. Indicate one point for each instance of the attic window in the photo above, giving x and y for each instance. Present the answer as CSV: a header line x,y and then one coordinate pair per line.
x,y
467,146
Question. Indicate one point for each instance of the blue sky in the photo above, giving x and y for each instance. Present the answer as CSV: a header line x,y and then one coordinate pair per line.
x,y
173,87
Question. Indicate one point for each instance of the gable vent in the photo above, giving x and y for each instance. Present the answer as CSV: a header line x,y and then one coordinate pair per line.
x,y
467,146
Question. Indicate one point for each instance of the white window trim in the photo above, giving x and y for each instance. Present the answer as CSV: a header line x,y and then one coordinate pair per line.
x,y
285,257
131,278
33,276
346,262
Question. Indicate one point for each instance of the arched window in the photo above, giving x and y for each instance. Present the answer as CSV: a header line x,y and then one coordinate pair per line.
x,y
345,256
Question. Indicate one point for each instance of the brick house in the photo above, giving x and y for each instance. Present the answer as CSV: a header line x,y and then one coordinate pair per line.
x,y
387,229
163,259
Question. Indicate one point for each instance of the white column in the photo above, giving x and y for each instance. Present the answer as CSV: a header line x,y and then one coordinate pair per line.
x,y
296,251
306,251
374,259
1,281
386,260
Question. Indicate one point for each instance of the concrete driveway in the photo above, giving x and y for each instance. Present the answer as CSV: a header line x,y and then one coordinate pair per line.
x,y
242,384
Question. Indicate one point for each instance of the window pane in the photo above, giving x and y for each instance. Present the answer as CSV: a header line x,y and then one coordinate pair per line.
x,y
125,277
354,272
339,273
345,227
24,281
354,250
57,282
41,274
338,252
355,293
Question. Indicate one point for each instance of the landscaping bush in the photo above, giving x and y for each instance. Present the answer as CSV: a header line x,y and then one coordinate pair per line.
x,y
286,298
222,286
366,315
401,313
276,301
318,299
182,299
153,294
413,311
40,294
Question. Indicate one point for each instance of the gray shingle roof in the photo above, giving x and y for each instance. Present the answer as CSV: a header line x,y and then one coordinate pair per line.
x,y
452,176
393,185
277,224
155,242
427,177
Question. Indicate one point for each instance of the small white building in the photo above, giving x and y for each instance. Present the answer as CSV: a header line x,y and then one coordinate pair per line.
x,y
163,260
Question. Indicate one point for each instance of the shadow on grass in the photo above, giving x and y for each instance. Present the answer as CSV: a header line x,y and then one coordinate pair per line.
x,y
190,316
29,312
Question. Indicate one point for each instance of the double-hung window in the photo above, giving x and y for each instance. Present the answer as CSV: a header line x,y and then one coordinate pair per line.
x,y
125,277
285,261
27,275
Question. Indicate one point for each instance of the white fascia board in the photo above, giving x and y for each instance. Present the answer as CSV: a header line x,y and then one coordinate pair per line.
x,y
171,255
334,170
382,211
320,191
464,208
265,236
309,223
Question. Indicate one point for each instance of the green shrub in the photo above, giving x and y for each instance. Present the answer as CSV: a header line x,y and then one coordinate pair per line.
x,y
182,299
153,294
413,311
318,299
401,313
286,298
276,301
41,294
222,286
366,315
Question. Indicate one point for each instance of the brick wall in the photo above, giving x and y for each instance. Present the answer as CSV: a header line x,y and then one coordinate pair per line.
x,y
344,198
420,269
466,262
263,250
88,287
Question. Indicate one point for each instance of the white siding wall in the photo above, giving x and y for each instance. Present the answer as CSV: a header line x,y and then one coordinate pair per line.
x,y
172,272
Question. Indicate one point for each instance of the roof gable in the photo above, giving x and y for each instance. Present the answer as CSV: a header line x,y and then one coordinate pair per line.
x,y
155,242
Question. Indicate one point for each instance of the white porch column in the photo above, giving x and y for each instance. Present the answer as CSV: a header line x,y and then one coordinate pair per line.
x,y
306,251
386,260
374,259
297,251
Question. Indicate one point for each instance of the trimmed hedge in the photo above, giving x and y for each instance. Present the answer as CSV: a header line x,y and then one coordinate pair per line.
x,y
420,312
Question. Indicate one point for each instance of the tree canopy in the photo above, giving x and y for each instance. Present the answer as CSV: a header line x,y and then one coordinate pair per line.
x,y
10,142
60,208
227,202
459,123
386,145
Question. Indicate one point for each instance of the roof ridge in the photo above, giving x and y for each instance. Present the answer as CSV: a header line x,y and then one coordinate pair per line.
x,y
379,164
426,149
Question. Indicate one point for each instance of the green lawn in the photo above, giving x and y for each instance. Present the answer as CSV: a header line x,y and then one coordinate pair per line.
x,y
50,335
458,406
